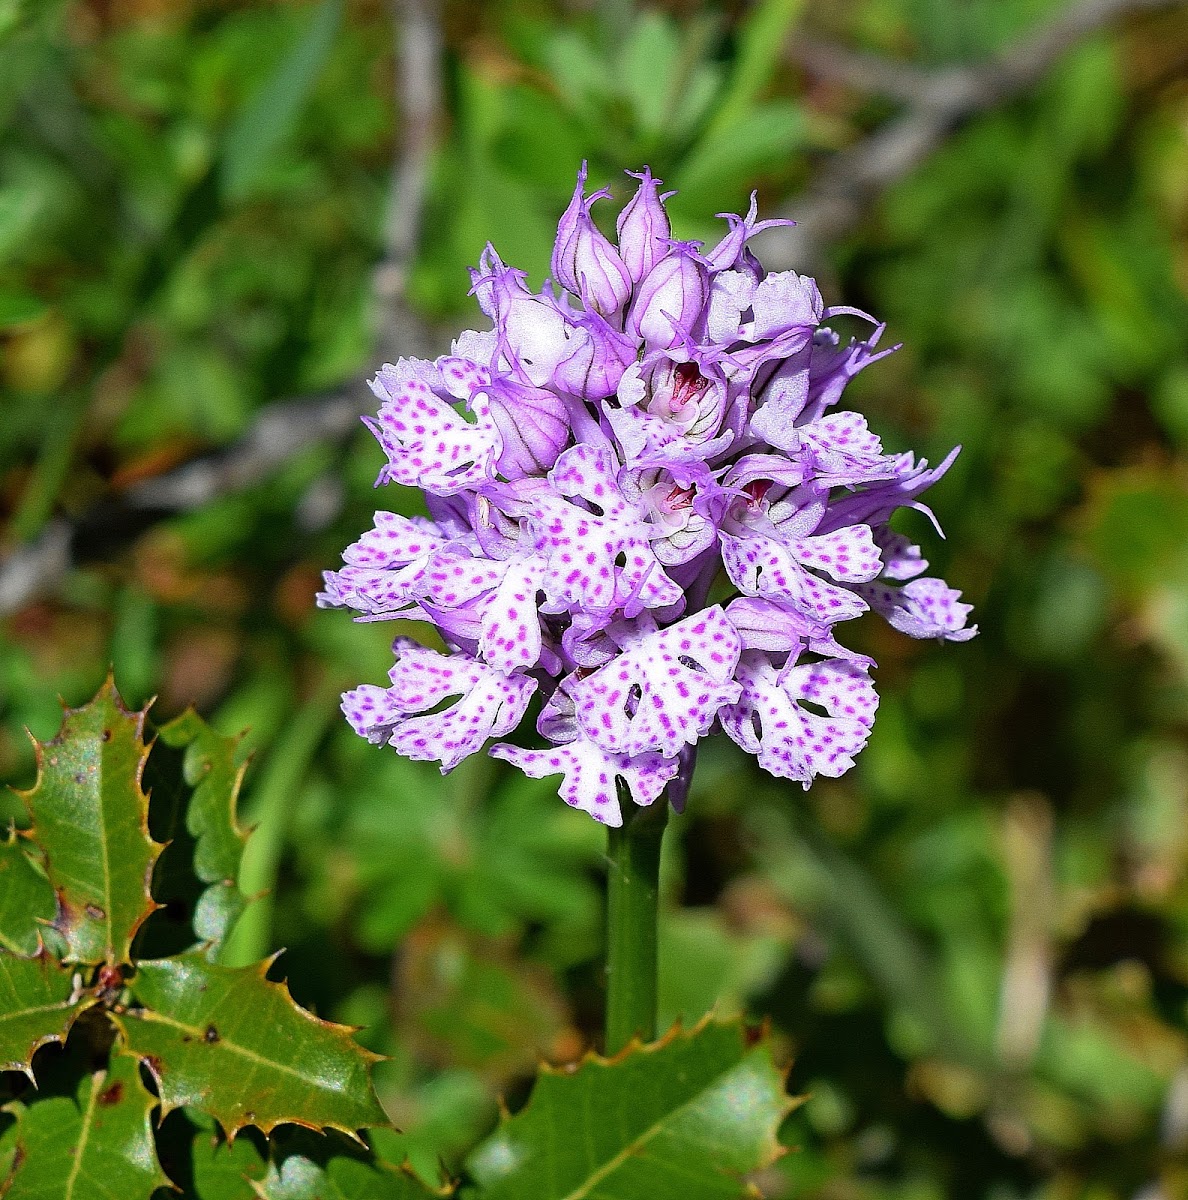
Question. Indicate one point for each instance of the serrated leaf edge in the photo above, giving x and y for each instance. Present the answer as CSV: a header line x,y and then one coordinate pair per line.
x,y
753,1037
402,1168
230,1132
108,689
73,1008
18,1110
234,742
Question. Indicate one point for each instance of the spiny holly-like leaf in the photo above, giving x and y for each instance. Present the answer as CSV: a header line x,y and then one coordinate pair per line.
x,y
192,1148
689,1115
91,819
97,1146
37,1005
214,768
232,1043
26,898
310,1168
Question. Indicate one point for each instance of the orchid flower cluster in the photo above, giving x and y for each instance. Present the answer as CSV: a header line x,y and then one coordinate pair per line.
x,y
644,507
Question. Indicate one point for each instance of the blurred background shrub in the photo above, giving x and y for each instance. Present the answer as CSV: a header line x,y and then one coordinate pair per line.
x,y
976,945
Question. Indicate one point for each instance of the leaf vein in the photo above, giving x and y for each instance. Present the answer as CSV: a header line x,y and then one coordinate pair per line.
x,y
585,1191
226,1044
80,1149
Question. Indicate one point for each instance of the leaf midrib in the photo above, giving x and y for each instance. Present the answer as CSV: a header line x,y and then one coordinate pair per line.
x,y
636,1145
149,1014
64,1005
80,1149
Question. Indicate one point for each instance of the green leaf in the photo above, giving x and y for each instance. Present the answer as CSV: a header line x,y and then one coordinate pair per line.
x,y
648,66
99,1144
213,767
26,898
816,877
217,1169
760,49
699,1108
272,112
724,157
37,1005
232,1043
465,1002
271,814
308,1168
19,308
90,816
708,964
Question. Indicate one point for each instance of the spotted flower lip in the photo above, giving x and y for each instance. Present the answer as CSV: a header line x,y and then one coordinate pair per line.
x,y
659,423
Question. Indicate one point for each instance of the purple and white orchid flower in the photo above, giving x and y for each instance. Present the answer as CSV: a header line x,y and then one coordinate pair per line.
x,y
593,465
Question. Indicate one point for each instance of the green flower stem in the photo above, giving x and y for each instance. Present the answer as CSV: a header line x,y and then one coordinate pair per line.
x,y
633,895
269,816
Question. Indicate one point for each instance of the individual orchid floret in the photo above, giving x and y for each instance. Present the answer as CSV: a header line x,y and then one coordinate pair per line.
x,y
584,261
791,741
671,298
589,772
643,227
491,704
648,512
664,690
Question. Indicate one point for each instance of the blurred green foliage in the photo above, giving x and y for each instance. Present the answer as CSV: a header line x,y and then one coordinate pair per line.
x,y
976,945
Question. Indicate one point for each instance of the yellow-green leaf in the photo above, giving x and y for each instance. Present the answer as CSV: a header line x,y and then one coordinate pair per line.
x,y
228,1041
97,1146
26,897
90,817
692,1114
37,1005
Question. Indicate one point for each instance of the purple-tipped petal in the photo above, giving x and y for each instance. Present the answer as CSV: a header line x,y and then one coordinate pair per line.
x,y
767,568
923,608
429,444
597,548
511,636
491,704
902,559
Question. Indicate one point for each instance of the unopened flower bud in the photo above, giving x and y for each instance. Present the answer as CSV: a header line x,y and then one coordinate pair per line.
x,y
584,261
600,356
643,227
671,298
532,425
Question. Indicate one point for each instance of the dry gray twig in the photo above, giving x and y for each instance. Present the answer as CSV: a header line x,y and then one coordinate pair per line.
x,y
281,430
936,102
419,99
